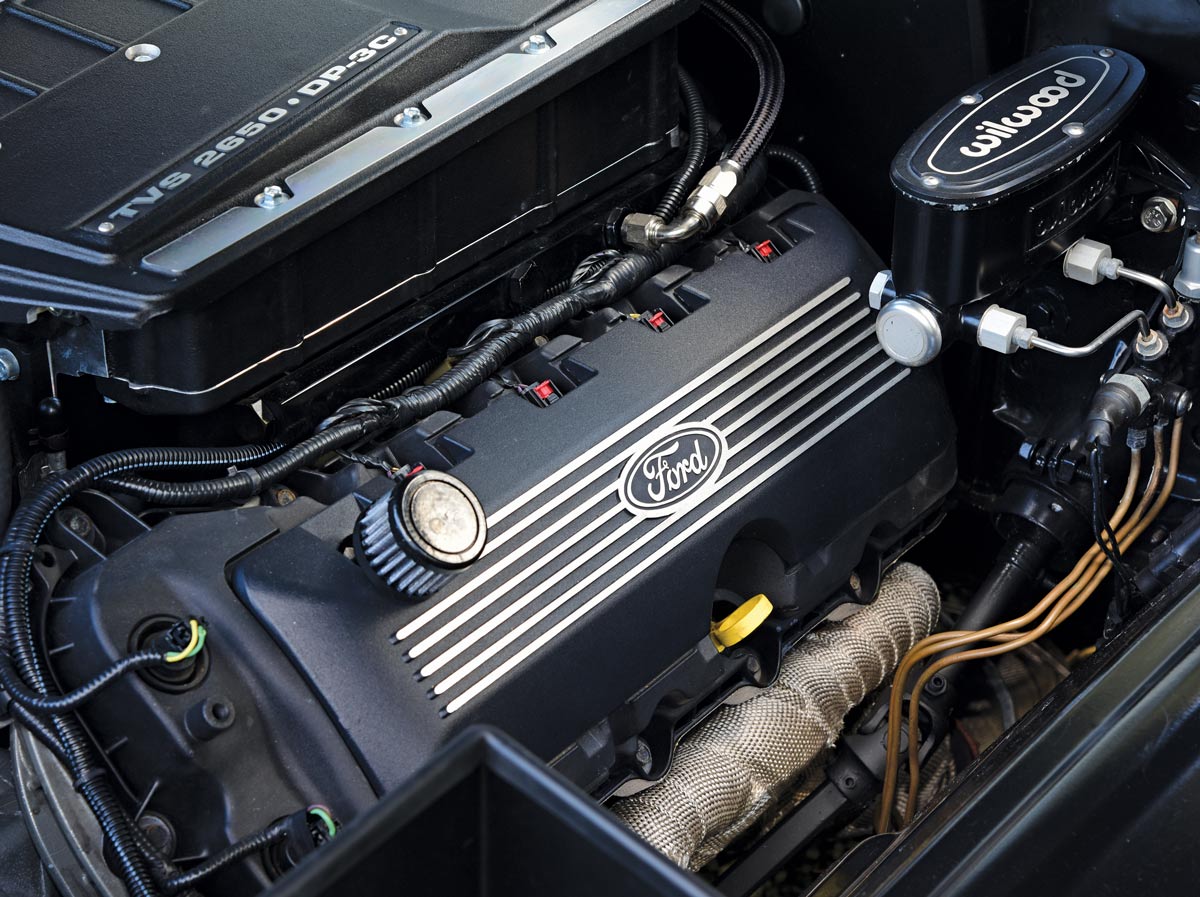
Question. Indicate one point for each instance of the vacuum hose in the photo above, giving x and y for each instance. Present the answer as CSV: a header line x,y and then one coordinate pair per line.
x,y
685,180
799,163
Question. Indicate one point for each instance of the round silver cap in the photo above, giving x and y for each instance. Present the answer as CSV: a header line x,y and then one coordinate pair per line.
x,y
909,332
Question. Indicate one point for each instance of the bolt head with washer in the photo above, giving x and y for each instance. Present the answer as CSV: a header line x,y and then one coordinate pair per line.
x,y
1160,215
536,44
1152,347
411,117
1177,319
271,197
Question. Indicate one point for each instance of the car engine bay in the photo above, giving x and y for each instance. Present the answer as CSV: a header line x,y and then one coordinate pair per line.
x,y
675,447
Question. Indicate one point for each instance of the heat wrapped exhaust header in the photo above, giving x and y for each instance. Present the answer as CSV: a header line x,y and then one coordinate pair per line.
x,y
741,760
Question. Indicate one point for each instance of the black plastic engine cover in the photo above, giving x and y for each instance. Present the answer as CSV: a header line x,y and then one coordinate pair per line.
x,y
808,456
1006,176
130,189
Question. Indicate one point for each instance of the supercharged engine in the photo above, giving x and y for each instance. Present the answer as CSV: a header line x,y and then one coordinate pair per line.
x,y
482,448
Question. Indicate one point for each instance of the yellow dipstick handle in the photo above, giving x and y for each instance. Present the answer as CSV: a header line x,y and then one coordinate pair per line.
x,y
743,621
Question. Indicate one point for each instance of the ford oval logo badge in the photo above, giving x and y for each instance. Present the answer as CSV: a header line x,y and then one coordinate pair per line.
x,y
673,470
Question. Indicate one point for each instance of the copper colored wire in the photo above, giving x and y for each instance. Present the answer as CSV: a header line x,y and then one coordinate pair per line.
x,y
1004,633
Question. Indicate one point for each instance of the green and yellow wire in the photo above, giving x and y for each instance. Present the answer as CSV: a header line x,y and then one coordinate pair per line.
x,y
194,647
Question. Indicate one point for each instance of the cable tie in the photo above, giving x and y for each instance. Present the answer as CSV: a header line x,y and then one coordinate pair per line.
x,y
254,479
89,775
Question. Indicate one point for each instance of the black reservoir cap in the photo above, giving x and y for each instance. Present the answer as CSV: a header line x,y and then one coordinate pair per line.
x,y
1007,175
1019,127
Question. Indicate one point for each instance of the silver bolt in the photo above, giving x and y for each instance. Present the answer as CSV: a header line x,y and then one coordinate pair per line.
x,y
882,290
535,44
10,368
106,227
1074,129
412,117
643,756
931,180
271,197
143,53
1106,52
1160,214
970,99
401,31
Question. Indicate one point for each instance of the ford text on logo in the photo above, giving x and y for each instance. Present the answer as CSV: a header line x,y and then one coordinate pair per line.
x,y
1012,119
673,470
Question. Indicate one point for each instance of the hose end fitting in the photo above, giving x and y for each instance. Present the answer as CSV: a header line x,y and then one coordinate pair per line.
x,y
710,199
704,207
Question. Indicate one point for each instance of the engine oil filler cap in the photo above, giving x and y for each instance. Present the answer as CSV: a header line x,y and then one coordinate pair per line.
x,y
742,622
415,538
1010,172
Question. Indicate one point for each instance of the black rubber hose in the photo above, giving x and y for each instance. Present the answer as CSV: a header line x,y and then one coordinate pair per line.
x,y
1015,573
1019,566
799,163
248,846
751,37
697,151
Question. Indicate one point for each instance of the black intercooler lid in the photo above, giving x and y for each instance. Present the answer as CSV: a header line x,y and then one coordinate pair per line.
x,y
1019,127
94,138
128,123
